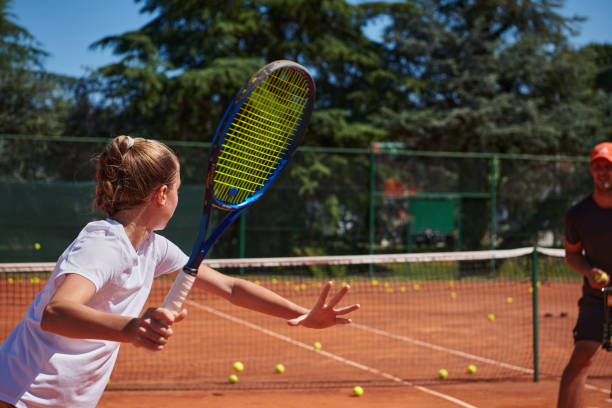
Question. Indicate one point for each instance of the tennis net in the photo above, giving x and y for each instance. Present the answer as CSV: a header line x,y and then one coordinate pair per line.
x,y
419,313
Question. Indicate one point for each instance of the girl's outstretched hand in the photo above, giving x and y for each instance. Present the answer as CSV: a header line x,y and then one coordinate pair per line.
x,y
323,314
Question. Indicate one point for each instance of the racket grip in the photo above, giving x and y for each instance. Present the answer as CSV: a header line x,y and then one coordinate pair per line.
x,y
180,289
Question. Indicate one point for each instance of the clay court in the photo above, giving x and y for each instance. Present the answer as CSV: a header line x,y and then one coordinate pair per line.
x,y
404,333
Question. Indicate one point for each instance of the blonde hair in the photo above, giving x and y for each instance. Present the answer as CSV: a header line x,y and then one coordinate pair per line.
x,y
129,170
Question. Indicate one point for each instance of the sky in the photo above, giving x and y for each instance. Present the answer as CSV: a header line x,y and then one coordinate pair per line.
x,y
66,28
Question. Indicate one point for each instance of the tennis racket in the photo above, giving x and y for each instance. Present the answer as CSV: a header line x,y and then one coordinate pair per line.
x,y
255,140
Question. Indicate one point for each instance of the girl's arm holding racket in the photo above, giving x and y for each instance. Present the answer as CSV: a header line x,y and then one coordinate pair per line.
x,y
255,297
67,314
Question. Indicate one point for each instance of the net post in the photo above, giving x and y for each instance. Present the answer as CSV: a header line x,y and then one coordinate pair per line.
x,y
372,204
534,296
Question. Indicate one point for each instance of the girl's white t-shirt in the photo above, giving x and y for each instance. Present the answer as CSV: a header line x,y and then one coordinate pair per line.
x,y
43,369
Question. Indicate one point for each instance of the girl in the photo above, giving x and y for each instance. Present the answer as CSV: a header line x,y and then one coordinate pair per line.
x,y
63,351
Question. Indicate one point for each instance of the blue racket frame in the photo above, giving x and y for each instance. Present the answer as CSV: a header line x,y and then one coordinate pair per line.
x,y
202,245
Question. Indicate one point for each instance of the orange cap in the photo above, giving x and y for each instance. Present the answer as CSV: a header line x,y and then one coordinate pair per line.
x,y
602,151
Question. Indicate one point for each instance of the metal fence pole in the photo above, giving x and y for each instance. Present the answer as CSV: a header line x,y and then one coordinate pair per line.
x,y
242,248
372,220
536,346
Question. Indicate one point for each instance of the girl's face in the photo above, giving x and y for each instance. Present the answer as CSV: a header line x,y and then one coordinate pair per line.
x,y
171,199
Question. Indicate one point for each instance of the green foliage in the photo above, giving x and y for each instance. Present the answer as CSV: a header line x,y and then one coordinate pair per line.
x,y
502,79
31,100
453,75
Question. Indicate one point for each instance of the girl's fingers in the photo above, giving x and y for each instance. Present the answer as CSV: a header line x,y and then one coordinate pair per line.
x,y
323,296
347,309
339,296
297,321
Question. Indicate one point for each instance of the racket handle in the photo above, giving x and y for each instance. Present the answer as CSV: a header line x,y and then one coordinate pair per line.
x,y
180,289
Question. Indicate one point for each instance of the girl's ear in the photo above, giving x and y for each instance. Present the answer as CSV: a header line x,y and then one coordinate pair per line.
x,y
161,196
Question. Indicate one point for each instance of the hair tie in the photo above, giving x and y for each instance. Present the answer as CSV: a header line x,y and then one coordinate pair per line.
x,y
130,142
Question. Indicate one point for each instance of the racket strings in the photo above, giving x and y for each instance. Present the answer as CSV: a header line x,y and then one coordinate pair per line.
x,y
260,135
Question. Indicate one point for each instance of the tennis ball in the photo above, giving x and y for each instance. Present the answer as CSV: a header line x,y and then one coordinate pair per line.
x,y
358,391
10,280
233,378
36,246
600,276
471,369
509,299
442,373
317,345
280,368
374,282
402,289
238,366
274,281
453,295
491,317
451,284
530,289
416,286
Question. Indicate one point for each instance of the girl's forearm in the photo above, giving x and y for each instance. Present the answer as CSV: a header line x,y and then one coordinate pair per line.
x,y
76,320
251,296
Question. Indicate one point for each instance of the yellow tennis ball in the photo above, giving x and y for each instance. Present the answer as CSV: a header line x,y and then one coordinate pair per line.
x,y
10,280
509,299
280,368
317,345
233,378
402,289
491,317
442,373
451,284
531,289
374,282
471,369
36,246
453,295
238,366
416,286
601,276
358,391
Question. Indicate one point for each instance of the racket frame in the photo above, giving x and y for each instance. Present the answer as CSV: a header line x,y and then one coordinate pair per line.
x,y
202,245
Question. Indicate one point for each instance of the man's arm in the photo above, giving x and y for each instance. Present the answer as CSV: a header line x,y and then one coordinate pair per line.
x,y
575,258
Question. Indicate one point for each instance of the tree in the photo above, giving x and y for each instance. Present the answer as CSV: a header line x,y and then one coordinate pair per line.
x,y
31,100
500,78
179,71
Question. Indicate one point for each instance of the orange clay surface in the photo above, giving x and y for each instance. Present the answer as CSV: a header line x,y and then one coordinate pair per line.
x,y
400,338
